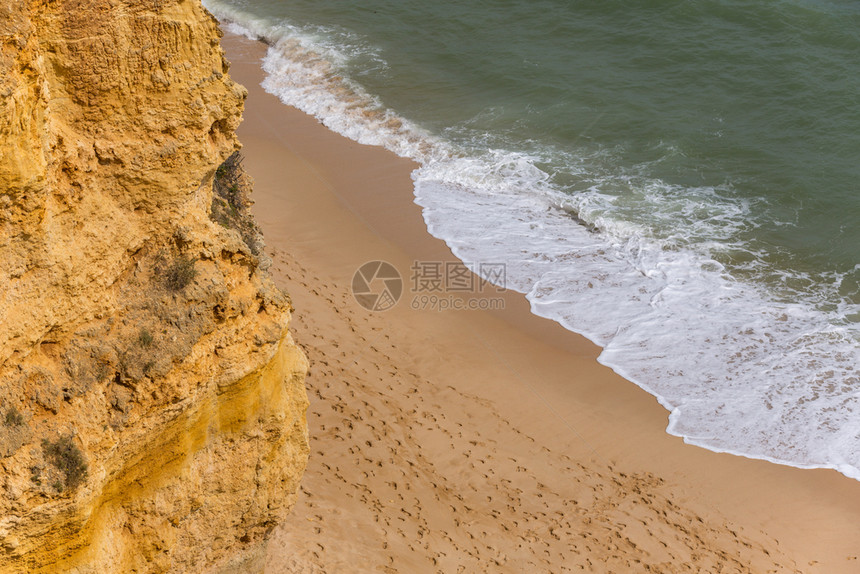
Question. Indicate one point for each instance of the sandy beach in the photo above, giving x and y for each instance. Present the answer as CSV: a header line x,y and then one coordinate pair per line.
x,y
485,441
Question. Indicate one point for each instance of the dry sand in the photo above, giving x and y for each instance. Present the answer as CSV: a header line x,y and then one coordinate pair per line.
x,y
471,441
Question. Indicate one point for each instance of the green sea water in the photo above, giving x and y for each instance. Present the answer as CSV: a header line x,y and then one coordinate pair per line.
x,y
710,146
760,99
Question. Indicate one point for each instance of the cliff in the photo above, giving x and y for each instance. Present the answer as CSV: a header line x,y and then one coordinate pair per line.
x,y
152,401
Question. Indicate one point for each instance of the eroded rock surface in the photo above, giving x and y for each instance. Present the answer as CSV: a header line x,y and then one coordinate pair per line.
x,y
152,401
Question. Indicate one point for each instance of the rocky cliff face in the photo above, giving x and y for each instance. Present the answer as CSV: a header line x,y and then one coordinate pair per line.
x,y
152,402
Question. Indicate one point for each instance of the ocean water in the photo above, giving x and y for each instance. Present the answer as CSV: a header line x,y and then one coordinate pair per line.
x,y
678,180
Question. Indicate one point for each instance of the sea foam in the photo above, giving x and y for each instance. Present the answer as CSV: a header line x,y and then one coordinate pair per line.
x,y
741,366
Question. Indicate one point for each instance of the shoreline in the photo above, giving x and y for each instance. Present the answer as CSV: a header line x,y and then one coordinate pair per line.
x,y
326,205
642,342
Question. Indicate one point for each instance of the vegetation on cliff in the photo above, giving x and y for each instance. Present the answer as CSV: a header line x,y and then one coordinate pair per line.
x,y
231,202
65,455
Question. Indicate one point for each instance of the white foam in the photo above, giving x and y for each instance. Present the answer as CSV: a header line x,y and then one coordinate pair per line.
x,y
739,371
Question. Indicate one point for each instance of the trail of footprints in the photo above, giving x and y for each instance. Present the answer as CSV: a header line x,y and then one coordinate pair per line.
x,y
438,496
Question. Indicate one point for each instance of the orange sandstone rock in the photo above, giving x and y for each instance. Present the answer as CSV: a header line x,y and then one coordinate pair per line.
x,y
152,401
